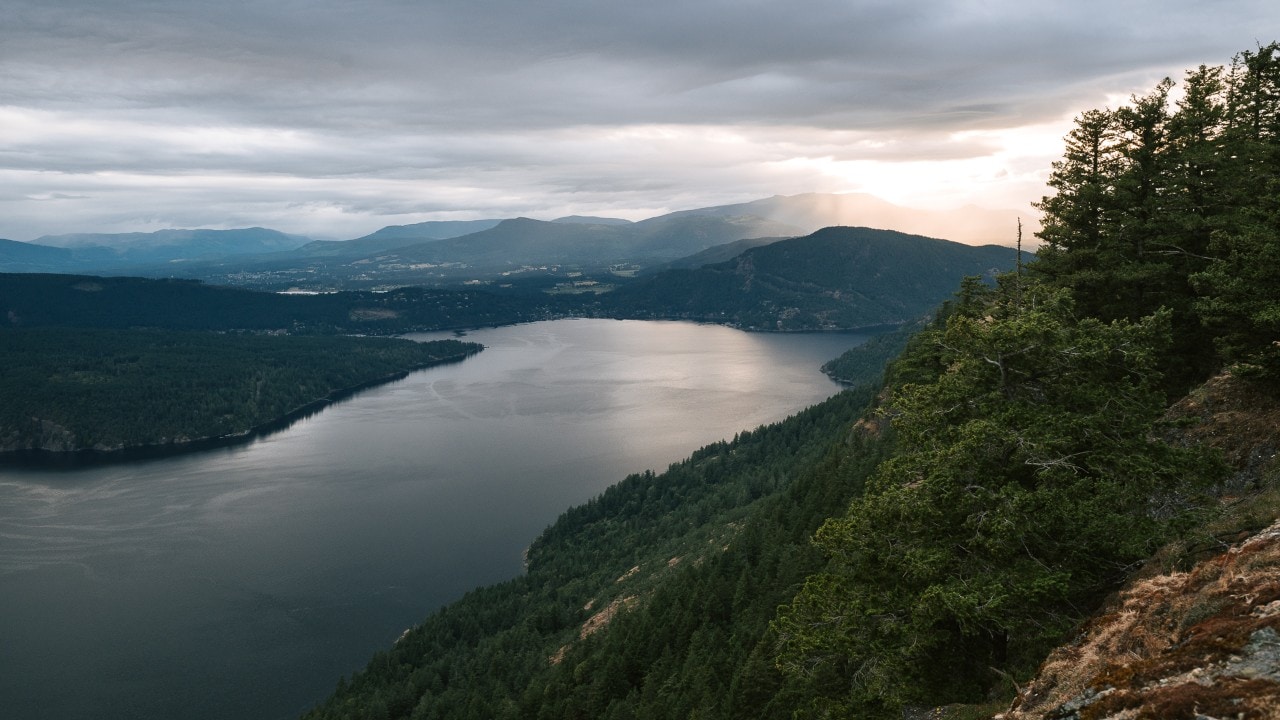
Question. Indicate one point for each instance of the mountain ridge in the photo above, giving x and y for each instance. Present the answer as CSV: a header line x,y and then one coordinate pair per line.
x,y
663,238
109,251
835,278
969,224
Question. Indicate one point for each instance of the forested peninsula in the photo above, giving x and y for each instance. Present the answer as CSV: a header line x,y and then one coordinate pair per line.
x,y
1074,458
66,390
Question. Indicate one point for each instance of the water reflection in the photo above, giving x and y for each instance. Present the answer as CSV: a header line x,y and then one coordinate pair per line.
x,y
243,581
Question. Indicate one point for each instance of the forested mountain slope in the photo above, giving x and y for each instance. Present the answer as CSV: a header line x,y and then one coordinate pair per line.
x,y
1197,632
838,277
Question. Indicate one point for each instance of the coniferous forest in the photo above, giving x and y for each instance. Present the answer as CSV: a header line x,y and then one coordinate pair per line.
x,y
71,389
926,538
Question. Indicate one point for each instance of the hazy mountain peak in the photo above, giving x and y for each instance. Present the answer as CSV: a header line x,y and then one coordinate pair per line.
x,y
253,239
591,220
432,229
811,211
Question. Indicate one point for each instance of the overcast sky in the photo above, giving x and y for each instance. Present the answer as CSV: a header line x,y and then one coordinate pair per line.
x,y
336,118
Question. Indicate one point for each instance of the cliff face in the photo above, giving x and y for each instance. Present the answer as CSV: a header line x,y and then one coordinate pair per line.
x,y
1200,643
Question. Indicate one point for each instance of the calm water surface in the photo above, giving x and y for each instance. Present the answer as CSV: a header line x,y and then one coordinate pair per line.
x,y
242,582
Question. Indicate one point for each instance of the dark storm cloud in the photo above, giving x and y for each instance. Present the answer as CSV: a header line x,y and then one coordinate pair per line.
x,y
545,95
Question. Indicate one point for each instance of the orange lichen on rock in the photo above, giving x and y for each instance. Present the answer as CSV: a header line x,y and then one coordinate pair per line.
x,y
1184,645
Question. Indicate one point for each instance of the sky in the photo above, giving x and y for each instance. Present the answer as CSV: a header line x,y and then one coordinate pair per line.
x,y
335,118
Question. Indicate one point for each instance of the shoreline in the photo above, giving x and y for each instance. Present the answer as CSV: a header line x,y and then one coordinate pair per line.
x,y
36,458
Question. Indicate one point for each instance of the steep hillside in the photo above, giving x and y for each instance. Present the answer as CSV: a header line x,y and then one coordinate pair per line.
x,y
835,278
693,560
1198,632
1195,644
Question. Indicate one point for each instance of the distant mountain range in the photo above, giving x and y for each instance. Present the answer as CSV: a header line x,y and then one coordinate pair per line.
x,y
29,257
193,242
439,252
591,220
102,251
836,278
394,236
522,241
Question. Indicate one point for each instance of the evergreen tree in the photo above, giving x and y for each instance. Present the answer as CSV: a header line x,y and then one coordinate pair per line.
x,y
1025,486
1148,198
1240,289
1078,218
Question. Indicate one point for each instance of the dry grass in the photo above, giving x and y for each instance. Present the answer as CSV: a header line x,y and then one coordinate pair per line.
x,y
1174,646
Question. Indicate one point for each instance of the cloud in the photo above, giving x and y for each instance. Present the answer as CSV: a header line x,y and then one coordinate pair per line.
x,y
315,114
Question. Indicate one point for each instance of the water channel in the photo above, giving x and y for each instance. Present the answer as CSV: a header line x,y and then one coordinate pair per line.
x,y
242,582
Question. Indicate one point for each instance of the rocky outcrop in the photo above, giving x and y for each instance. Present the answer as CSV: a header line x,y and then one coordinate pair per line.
x,y
1198,644
1203,643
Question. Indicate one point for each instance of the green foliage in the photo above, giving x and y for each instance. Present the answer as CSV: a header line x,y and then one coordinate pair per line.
x,y
1024,487
698,643
1240,290
1158,206
70,389
1242,301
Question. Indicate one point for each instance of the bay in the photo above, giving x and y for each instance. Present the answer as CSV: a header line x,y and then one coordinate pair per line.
x,y
242,582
